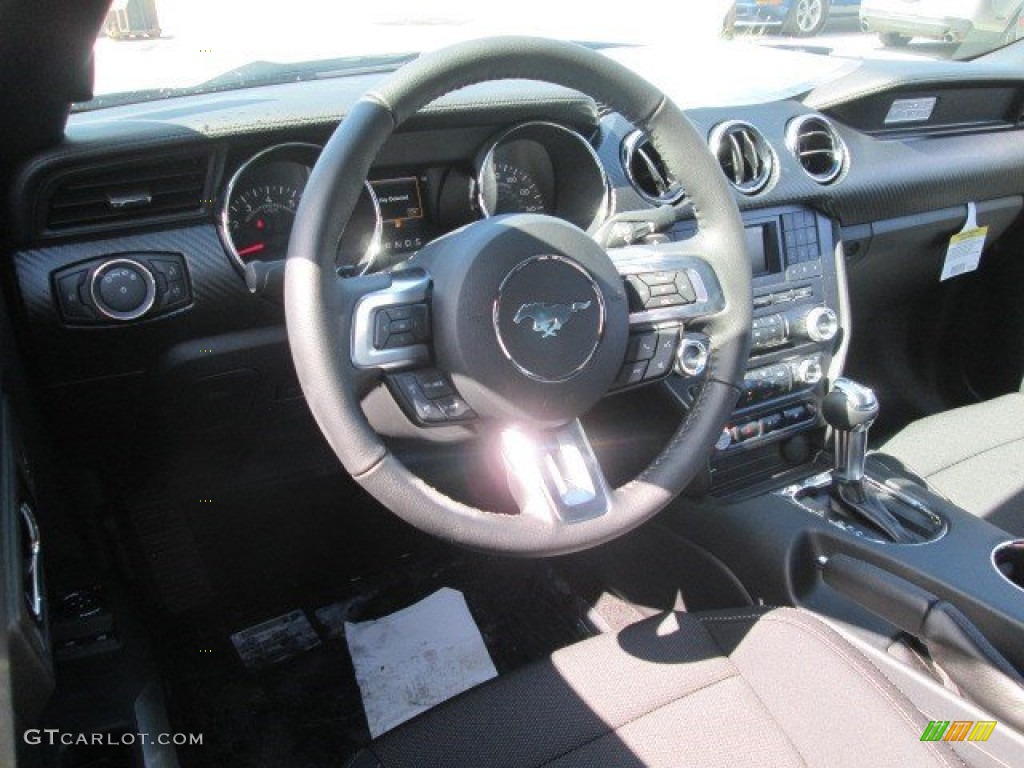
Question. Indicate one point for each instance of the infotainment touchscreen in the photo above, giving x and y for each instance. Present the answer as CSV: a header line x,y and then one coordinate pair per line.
x,y
763,249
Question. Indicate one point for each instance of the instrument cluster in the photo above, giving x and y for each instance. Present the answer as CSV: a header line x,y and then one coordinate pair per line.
x,y
533,167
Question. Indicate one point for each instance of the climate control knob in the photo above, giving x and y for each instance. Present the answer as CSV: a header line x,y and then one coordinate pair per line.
x,y
809,371
816,324
123,289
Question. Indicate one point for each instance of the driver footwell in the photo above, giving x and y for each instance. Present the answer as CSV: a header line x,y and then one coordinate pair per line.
x,y
274,552
307,709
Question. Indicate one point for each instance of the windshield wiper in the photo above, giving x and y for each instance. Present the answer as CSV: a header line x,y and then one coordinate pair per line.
x,y
258,73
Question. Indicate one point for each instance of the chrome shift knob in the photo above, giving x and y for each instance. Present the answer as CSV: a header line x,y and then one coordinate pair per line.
x,y
850,409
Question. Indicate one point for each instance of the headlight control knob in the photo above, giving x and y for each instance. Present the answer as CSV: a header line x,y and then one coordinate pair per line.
x,y
123,289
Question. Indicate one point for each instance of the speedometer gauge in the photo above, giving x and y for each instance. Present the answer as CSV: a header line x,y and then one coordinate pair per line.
x,y
261,201
545,168
517,191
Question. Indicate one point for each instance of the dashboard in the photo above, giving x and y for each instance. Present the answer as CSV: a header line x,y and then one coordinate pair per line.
x,y
135,237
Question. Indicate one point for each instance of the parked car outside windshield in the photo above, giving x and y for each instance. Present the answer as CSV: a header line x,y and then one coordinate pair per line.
x,y
983,23
801,18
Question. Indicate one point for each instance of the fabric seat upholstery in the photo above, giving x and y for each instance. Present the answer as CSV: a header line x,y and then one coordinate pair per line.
x,y
973,455
741,688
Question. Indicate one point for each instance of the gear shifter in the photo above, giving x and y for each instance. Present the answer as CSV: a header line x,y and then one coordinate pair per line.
x,y
850,409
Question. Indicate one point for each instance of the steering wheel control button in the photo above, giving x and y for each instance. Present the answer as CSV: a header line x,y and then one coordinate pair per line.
x,y
549,318
123,289
455,408
659,290
434,384
401,326
642,346
631,373
428,398
650,354
685,288
639,293
664,358
414,402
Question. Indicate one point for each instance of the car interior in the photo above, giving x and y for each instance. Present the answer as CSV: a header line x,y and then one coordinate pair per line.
x,y
711,414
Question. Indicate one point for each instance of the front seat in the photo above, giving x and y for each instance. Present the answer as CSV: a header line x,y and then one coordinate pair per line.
x,y
972,455
752,687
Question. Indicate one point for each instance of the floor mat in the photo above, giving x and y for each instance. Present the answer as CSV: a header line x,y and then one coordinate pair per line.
x,y
411,660
307,710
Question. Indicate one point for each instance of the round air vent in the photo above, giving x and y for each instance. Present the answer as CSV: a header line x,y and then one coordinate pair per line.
x,y
746,158
817,147
646,171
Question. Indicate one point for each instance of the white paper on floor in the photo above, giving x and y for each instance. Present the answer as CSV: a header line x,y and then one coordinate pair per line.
x,y
417,657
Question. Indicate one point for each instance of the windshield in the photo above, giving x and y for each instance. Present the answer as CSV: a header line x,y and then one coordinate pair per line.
x,y
152,49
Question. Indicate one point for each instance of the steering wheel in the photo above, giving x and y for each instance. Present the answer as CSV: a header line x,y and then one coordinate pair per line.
x,y
525,315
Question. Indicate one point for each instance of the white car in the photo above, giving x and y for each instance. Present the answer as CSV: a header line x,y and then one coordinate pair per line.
x,y
955,21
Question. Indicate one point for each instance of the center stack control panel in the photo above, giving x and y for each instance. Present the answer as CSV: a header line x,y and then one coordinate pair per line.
x,y
795,333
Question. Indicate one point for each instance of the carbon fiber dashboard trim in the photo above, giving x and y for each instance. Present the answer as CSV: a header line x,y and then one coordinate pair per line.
x,y
64,354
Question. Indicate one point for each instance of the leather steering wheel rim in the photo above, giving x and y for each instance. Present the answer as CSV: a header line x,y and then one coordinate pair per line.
x,y
320,327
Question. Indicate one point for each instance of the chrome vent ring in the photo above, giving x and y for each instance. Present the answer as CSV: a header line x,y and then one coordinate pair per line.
x,y
745,156
818,148
646,171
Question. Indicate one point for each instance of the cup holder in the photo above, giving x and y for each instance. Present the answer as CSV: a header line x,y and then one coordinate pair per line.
x,y
1008,559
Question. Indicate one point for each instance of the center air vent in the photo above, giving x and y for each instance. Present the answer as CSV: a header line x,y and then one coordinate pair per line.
x,y
646,171
817,147
128,191
746,158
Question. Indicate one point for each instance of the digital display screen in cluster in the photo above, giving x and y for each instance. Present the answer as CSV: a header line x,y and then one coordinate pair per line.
x,y
401,209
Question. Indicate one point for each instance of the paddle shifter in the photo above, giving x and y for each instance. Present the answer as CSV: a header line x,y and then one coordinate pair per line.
x,y
850,409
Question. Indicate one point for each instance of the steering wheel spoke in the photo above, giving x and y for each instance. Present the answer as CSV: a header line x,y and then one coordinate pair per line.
x,y
668,282
391,327
554,475
428,397
392,333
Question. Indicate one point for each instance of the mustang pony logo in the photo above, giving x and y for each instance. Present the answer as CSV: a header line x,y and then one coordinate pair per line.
x,y
548,319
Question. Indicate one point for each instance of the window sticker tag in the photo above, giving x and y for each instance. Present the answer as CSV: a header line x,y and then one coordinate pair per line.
x,y
965,247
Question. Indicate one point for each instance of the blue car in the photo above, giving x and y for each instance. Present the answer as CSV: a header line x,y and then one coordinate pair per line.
x,y
803,18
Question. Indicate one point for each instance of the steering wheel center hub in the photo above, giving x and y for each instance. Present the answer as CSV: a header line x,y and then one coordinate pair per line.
x,y
549,317
530,317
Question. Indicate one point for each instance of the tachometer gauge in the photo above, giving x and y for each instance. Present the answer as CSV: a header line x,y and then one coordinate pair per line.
x,y
260,204
260,221
516,191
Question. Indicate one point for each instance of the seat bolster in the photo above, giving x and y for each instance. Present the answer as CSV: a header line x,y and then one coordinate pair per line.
x,y
943,440
747,687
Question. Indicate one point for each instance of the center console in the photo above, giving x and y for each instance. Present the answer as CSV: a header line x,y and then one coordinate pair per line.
x,y
795,335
